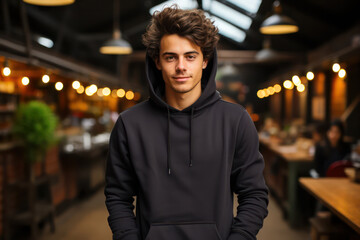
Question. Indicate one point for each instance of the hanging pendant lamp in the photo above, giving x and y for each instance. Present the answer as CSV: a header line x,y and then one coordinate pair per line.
x,y
267,53
49,2
116,45
277,23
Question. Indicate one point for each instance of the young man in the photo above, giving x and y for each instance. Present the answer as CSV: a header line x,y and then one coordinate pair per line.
x,y
184,151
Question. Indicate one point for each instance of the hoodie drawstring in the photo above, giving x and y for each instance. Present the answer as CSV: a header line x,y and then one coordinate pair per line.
x,y
190,140
168,139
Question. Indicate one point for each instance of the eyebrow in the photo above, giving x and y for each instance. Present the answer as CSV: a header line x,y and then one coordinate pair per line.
x,y
172,53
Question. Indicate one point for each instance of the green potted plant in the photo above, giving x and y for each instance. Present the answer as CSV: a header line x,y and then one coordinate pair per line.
x,y
35,125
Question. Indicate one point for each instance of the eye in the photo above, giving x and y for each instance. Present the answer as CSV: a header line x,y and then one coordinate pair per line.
x,y
191,57
169,58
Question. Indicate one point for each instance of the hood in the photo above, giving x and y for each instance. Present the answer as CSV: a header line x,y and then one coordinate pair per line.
x,y
209,95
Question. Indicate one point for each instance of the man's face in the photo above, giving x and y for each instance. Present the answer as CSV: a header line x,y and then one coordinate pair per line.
x,y
181,62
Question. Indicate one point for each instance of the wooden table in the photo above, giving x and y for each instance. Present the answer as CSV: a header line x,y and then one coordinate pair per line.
x,y
340,195
298,164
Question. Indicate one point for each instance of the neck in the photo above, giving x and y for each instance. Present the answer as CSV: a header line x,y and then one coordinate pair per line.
x,y
181,101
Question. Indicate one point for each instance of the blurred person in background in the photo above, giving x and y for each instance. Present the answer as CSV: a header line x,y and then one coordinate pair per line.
x,y
184,152
318,136
319,133
332,149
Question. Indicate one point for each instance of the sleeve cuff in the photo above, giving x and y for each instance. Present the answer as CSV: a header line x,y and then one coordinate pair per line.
x,y
237,236
127,236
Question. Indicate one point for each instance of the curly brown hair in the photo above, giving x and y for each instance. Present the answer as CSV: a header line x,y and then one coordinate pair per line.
x,y
191,24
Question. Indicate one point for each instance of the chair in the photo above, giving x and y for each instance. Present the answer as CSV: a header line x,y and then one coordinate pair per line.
x,y
337,169
326,226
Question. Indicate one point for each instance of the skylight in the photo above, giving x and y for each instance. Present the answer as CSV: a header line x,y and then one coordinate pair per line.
x,y
251,6
230,15
46,42
206,4
228,30
183,4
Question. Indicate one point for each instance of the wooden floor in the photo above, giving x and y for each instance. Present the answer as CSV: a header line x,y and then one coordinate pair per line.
x,y
88,220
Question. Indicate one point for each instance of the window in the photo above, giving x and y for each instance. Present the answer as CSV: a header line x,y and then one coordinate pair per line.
x,y
251,6
183,4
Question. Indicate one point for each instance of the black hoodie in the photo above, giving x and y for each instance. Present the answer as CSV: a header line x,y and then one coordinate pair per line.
x,y
183,167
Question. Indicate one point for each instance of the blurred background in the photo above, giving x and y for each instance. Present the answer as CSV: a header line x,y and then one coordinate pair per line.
x,y
69,67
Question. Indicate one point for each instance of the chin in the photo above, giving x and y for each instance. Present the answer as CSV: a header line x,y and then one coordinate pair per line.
x,y
182,90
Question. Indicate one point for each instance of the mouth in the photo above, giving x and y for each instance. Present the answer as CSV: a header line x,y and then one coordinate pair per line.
x,y
181,78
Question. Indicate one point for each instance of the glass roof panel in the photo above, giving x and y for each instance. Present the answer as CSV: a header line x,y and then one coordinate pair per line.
x,y
230,15
183,4
228,30
206,4
251,6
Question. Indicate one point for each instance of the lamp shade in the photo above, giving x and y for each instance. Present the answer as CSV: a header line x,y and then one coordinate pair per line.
x,y
278,24
116,46
266,54
50,2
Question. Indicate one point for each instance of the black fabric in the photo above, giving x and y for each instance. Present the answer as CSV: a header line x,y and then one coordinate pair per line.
x,y
183,167
325,155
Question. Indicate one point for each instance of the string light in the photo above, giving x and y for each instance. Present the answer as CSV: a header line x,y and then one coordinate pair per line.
x,y
271,90
296,80
129,95
120,93
300,88
336,67
100,92
59,86
6,71
310,76
266,92
76,84
25,81
277,88
342,73
80,90
106,91
288,84
45,78
261,94
89,91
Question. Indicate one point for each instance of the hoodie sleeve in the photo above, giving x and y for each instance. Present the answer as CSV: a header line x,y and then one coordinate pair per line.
x,y
248,183
120,187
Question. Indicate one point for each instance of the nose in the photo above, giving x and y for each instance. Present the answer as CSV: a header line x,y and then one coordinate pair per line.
x,y
181,66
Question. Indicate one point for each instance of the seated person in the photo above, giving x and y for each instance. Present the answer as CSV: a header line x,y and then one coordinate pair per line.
x,y
319,133
332,149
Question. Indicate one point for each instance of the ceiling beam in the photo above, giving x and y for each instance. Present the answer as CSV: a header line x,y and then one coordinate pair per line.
x,y
339,46
233,6
59,61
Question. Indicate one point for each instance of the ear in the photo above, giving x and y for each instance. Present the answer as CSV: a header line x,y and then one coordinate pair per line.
x,y
204,65
157,62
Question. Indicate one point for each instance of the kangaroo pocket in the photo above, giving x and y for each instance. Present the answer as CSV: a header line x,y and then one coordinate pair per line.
x,y
183,231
